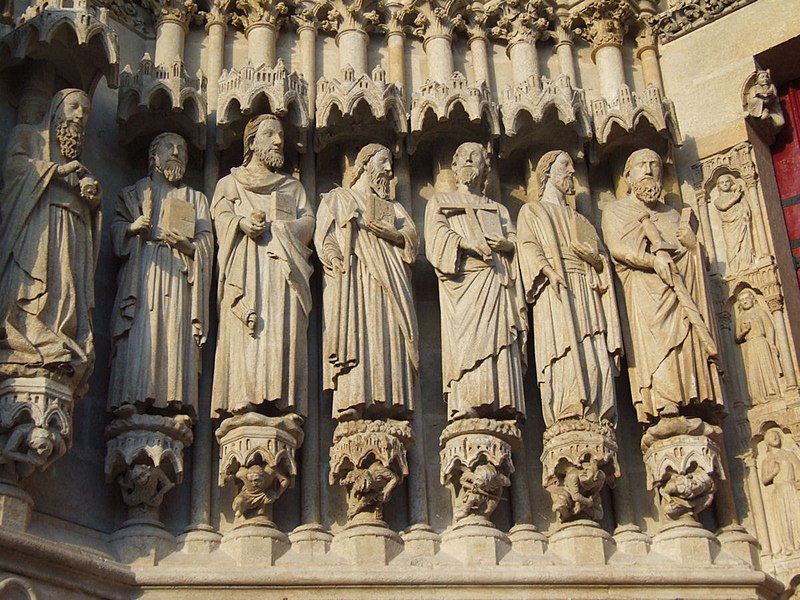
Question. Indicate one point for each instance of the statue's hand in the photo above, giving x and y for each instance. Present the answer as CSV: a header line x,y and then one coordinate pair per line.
x,y
554,278
179,241
73,166
334,258
686,236
90,188
252,229
587,253
663,268
141,225
498,243
477,248
385,231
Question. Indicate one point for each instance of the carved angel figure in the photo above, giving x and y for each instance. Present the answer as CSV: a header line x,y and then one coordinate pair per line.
x,y
756,334
737,223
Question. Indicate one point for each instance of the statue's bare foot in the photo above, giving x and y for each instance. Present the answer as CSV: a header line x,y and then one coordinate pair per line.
x,y
349,414
467,413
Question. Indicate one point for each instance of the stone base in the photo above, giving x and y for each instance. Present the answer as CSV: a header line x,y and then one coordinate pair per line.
x,y
255,543
142,542
312,540
686,542
630,540
368,543
528,540
16,507
199,539
421,540
476,541
582,542
735,540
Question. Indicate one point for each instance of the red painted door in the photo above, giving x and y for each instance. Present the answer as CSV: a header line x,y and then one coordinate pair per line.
x,y
786,160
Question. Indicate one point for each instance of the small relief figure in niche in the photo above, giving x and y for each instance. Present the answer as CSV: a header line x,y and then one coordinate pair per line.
x,y
162,233
756,334
734,212
470,241
50,232
762,101
143,489
780,475
367,243
264,225
262,485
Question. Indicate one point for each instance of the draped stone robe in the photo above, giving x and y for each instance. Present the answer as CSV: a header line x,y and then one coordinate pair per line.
x,y
668,363
49,243
269,278
483,318
576,332
756,333
370,337
160,318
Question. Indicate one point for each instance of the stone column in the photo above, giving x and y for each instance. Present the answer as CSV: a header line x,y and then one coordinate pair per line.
x,y
610,69
216,29
563,48
524,60
439,54
775,303
478,46
352,45
170,33
395,43
307,33
261,42
520,26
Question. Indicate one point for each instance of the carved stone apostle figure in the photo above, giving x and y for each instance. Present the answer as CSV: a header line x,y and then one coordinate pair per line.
x,y
50,232
737,223
162,233
367,243
670,348
780,475
756,334
567,278
264,225
470,243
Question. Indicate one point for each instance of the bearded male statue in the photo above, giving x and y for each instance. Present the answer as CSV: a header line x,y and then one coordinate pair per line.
x,y
162,233
669,343
50,232
264,226
367,243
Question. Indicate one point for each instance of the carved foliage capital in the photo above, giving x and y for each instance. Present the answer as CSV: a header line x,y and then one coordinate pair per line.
x,y
218,13
432,20
520,20
254,13
180,11
345,15
602,22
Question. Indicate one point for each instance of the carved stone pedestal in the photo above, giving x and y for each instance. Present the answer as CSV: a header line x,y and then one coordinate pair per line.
x,y
367,542
582,542
369,459
421,540
474,540
579,458
682,461
735,540
256,542
476,463
259,452
528,540
201,539
144,455
629,539
35,431
144,542
312,540
687,542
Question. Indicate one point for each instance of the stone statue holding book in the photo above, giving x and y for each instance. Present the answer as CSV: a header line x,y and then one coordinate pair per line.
x,y
162,232
470,241
264,225
367,243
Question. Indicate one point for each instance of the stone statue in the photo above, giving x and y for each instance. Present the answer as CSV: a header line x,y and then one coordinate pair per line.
x,y
780,475
264,225
50,227
756,334
143,489
162,233
737,223
367,243
671,351
470,241
567,278
261,486
762,101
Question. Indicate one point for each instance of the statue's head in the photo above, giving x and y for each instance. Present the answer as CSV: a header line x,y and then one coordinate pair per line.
x,y
140,474
746,298
69,112
772,437
40,443
374,161
726,182
257,478
556,167
263,142
763,78
168,155
471,165
643,172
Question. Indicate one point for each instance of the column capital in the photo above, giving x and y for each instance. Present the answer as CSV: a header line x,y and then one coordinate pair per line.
x,y
515,21
172,11
338,16
260,13
217,14
602,23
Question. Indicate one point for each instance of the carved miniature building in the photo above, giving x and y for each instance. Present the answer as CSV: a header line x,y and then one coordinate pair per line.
x,y
410,298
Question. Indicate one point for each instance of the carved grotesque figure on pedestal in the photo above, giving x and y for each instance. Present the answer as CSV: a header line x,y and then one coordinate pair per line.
x,y
367,243
756,334
264,226
577,340
471,244
671,350
162,233
735,216
50,227
762,104
779,471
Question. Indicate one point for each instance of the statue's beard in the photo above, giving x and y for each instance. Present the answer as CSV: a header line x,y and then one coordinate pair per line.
x,y
647,189
173,170
468,175
270,158
70,138
380,182
565,184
